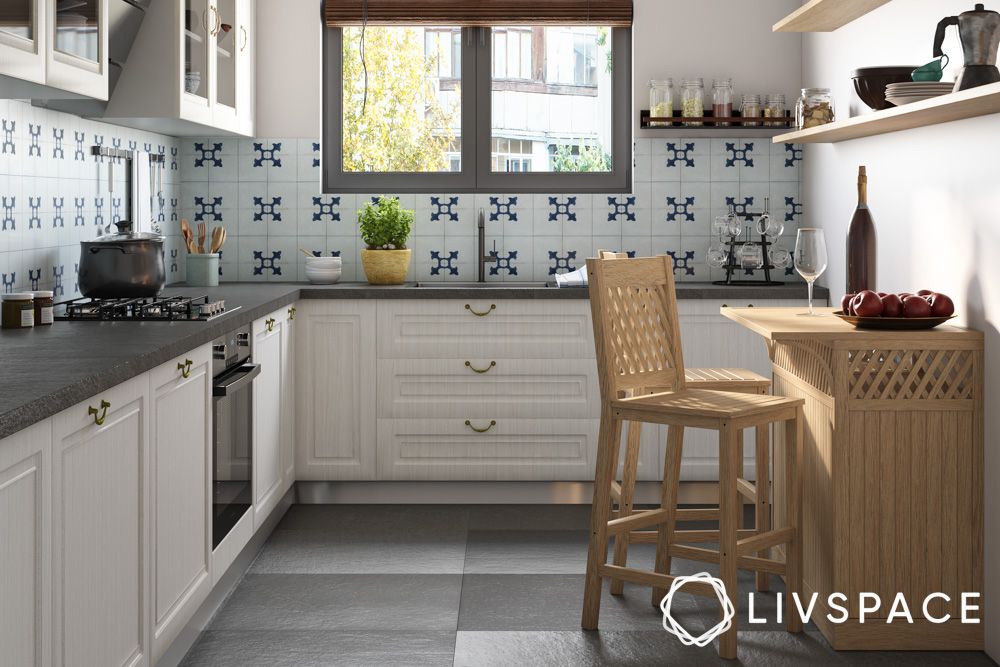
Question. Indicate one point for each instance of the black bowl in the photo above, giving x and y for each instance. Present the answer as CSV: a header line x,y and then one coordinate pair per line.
x,y
870,83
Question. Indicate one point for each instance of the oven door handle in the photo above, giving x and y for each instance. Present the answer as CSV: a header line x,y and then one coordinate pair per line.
x,y
241,378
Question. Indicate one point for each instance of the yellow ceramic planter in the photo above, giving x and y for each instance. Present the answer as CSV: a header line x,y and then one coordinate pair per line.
x,y
386,267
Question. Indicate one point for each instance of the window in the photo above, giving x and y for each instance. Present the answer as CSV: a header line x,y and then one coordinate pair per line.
x,y
502,109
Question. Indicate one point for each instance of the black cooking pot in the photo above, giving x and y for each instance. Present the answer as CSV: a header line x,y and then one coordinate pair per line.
x,y
122,265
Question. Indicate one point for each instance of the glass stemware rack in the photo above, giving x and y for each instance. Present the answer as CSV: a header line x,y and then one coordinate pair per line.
x,y
737,251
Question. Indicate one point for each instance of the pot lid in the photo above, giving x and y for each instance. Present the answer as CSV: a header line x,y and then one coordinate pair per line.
x,y
125,234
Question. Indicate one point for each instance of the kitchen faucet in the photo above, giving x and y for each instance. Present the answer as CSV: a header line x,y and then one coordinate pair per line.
x,y
483,257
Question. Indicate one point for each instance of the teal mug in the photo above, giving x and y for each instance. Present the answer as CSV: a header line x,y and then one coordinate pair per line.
x,y
932,71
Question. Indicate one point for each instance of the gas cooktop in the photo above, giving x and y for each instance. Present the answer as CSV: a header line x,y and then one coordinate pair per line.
x,y
151,309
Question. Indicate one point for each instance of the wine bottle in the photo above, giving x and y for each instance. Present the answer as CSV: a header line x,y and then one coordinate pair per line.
x,y
861,242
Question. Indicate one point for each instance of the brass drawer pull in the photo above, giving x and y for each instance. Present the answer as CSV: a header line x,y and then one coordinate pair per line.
x,y
291,312
185,368
99,418
469,308
493,423
270,324
480,370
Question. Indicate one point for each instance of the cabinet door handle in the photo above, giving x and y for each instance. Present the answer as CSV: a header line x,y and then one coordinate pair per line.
x,y
291,312
99,415
270,324
246,38
480,370
185,368
216,20
484,313
493,423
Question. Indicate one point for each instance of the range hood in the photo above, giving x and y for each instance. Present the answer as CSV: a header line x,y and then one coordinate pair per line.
x,y
124,19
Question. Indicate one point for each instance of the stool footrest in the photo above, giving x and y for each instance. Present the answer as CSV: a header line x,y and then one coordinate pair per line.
x,y
684,536
766,540
699,554
636,521
616,492
747,489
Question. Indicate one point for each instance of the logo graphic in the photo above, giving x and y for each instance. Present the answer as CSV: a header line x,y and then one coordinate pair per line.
x,y
671,625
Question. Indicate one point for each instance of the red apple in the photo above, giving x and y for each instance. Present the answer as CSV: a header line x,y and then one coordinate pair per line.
x,y
941,305
845,304
892,306
925,292
880,294
903,295
867,304
916,306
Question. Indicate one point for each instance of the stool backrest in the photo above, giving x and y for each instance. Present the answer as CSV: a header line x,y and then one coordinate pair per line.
x,y
636,332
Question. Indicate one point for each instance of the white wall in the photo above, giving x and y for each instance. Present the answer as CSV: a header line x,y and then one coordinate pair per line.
x,y
714,39
934,195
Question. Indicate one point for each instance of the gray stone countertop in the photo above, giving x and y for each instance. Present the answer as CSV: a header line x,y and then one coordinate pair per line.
x,y
48,369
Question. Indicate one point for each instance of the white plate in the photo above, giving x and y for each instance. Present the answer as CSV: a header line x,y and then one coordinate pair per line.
x,y
900,100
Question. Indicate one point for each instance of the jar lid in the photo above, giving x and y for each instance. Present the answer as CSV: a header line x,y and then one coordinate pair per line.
x,y
44,294
661,82
815,91
18,296
717,83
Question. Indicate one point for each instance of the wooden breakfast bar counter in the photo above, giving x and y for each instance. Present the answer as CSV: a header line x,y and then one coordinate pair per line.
x,y
892,473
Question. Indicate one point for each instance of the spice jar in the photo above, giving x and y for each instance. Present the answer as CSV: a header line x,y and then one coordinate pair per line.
x,y
774,107
43,307
693,101
722,100
814,108
750,109
661,101
17,310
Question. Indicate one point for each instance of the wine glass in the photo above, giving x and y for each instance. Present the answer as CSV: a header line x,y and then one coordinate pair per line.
x,y
810,258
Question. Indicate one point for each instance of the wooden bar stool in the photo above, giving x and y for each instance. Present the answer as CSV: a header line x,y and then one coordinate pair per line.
x,y
637,340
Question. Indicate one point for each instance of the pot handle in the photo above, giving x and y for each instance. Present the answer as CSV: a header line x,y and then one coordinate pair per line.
x,y
96,249
939,35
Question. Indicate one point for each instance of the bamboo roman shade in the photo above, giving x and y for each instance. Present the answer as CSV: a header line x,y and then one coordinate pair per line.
x,y
613,13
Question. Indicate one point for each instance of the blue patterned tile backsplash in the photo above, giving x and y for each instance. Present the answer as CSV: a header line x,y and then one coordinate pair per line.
x,y
266,192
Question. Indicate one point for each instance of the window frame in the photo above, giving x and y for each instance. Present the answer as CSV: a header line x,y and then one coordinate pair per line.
x,y
477,175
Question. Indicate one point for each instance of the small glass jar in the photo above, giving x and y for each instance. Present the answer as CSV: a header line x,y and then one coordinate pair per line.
x,y
693,101
18,310
722,100
44,307
750,109
661,101
814,108
774,107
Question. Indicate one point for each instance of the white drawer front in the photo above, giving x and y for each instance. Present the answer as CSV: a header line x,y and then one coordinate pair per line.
x,y
512,449
519,388
510,328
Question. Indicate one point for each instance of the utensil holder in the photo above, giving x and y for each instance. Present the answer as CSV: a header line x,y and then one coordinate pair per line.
x,y
203,270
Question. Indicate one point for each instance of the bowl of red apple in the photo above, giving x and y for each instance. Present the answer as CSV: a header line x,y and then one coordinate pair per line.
x,y
881,310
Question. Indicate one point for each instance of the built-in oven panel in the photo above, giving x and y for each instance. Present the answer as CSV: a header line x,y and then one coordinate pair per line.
x,y
232,453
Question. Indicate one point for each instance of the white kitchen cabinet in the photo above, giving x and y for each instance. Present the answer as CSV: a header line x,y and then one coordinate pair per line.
x,y
287,398
191,71
100,481
181,530
267,465
25,546
335,389
54,49
289,65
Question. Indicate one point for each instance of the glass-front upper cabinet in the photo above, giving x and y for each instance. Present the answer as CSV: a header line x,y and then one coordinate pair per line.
x,y
200,20
226,50
22,39
78,48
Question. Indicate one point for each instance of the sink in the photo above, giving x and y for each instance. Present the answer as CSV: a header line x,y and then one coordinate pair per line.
x,y
494,285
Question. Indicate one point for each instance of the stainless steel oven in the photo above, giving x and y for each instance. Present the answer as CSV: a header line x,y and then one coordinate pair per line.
x,y
232,444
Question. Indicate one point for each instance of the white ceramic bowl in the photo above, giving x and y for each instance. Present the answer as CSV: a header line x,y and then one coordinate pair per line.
x,y
324,261
322,276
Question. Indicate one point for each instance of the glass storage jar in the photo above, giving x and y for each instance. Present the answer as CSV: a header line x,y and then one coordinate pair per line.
x,y
661,101
722,100
774,107
18,310
44,307
693,101
750,109
814,108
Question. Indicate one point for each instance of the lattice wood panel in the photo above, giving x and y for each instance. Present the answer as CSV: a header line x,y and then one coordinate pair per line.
x,y
640,342
911,374
807,360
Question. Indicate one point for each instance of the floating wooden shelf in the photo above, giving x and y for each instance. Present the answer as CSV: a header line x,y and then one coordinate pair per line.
x,y
981,101
825,15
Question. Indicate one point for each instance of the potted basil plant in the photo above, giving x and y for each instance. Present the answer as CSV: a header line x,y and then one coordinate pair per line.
x,y
385,226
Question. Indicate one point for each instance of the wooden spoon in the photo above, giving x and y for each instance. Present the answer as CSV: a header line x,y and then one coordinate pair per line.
x,y
186,233
202,231
218,235
306,252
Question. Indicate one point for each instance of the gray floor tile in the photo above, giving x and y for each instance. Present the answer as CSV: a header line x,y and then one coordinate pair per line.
x,y
529,517
402,550
539,552
554,602
342,602
314,648
577,648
